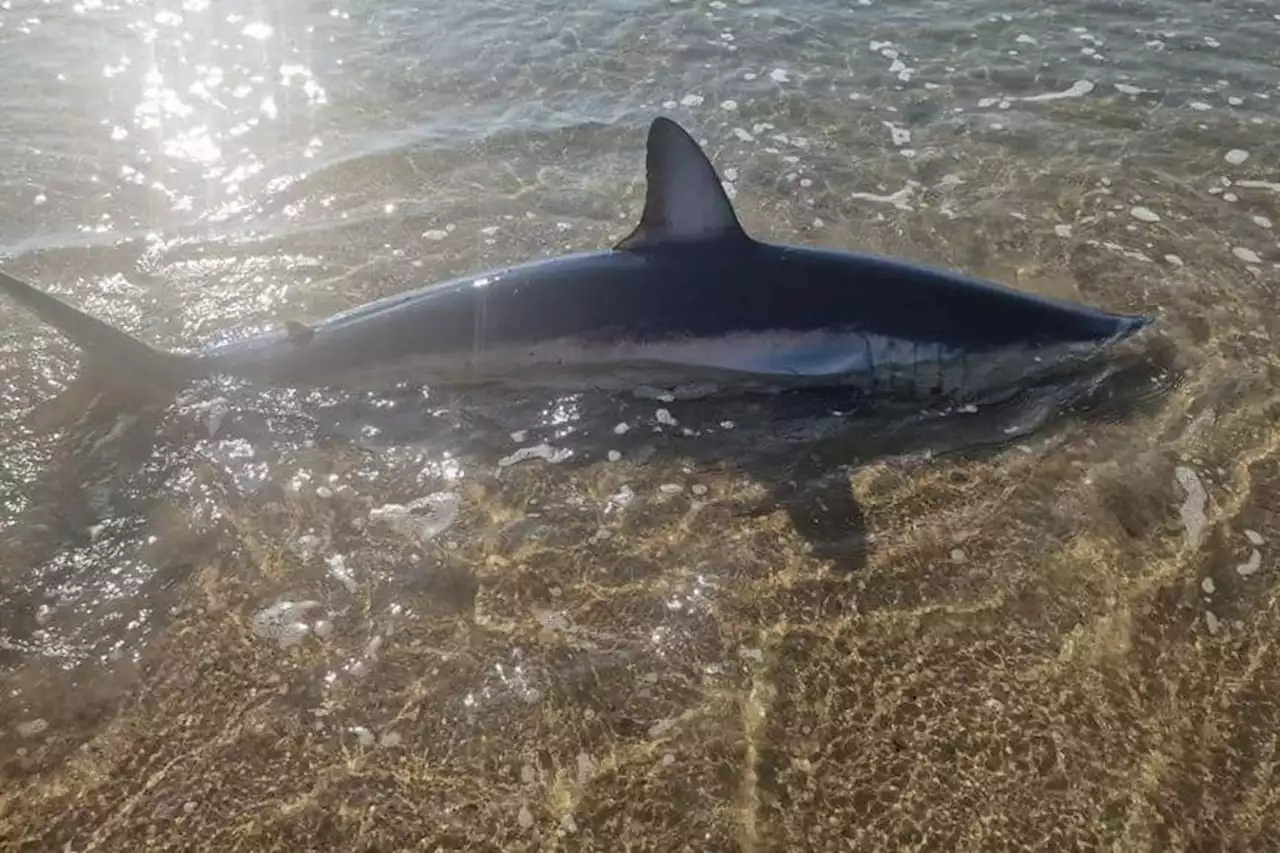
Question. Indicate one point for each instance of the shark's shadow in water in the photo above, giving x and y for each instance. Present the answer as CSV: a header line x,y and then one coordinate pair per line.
x,y
90,506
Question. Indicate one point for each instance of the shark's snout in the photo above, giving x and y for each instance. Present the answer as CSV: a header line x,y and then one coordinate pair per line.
x,y
1132,324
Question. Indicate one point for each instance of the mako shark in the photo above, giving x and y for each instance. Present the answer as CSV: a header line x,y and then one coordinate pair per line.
x,y
687,299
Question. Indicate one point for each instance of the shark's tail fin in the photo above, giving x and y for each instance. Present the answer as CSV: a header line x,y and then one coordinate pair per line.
x,y
116,365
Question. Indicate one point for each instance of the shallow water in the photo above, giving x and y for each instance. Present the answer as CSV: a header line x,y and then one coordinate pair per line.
x,y
266,621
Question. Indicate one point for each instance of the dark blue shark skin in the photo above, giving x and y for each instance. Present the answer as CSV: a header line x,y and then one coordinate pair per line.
x,y
701,292
688,294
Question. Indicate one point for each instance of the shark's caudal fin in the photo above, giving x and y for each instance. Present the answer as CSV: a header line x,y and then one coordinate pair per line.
x,y
684,199
114,363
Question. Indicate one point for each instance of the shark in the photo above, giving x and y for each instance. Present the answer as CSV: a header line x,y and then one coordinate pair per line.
x,y
688,301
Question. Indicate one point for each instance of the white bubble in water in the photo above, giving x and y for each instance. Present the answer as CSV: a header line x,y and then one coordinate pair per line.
x,y
691,101
258,31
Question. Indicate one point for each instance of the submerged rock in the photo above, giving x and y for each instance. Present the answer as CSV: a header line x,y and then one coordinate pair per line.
x,y
423,519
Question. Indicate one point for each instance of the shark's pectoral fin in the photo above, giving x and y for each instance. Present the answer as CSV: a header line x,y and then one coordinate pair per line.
x,y
684,200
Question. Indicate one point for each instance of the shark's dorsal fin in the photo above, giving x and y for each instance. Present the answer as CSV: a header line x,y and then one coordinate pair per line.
x,y
684,201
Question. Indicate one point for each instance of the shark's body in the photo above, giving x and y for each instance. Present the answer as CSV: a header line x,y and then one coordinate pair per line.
x,y
688,299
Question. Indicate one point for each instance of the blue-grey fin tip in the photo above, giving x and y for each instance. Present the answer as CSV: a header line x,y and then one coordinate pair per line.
x,y
684,199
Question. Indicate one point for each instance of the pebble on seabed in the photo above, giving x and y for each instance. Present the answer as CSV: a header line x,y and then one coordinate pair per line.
x,y
1192,512
424,518
537,451
284,622
1252,565
32,728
